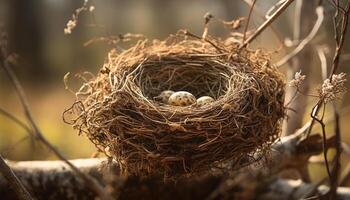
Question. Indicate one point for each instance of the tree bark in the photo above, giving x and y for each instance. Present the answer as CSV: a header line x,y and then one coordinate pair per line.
x,y
55,180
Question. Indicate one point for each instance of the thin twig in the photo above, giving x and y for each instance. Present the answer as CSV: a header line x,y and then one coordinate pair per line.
x,y
90,181
186,32
340,44
336,60
248,20
261,15
302,44
273,17
16,120
13,118
340,27
324,138
11,147
16,185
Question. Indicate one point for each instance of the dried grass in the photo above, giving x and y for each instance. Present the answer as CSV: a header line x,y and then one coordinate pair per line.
x,y
117,111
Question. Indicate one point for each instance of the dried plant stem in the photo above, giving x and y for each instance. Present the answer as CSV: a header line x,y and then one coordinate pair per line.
x,y
339,39
13,181
339,42
340,27
278,12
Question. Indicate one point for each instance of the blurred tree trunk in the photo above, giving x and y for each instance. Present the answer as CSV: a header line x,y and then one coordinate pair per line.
x,y
304,20
24,21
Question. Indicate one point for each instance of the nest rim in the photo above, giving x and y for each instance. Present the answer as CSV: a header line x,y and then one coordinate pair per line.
x,y
186,125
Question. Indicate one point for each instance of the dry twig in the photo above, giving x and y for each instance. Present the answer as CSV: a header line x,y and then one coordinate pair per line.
x,y
262,16
304,42
340,27
13,181
273,17
91,182
248,20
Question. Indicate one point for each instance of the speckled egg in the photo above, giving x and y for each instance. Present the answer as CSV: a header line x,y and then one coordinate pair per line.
x,y
204,100
164,96
182,98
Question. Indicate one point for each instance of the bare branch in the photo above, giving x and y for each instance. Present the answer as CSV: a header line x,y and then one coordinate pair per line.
x,y
248,20
90,181
273,17
261,15
340,27
339,46
16,120
14,182
302,44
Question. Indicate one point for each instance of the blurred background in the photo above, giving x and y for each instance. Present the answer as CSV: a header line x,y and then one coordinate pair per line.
x,y
46,54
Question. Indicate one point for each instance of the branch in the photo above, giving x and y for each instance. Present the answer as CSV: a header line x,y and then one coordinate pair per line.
x,y
294,151
55,180
302,44
16,120
248,20
14,183
262,16
91,182
275,15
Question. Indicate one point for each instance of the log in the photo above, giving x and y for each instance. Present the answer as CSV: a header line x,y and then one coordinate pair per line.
x,y
55,180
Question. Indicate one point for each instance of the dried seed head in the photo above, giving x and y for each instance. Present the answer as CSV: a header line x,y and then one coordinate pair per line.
x,y
298,79
334,89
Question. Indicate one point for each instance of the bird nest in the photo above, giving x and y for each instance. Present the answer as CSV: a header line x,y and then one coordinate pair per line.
x,y
118,112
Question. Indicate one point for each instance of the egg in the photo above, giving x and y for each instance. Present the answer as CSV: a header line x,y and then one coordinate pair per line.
x,y
182,98
204,100
164,96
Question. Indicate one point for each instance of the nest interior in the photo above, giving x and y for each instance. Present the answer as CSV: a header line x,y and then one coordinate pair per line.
x,y
118,112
